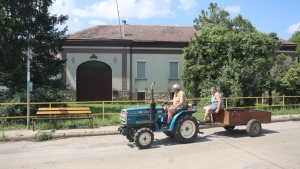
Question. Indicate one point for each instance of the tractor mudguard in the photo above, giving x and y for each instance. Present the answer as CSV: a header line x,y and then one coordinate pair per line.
x,y
183,112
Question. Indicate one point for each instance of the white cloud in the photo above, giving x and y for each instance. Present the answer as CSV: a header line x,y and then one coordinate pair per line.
x,y
108,9
233,9
62,7
293,28
187,4
80,11
74,24
96,22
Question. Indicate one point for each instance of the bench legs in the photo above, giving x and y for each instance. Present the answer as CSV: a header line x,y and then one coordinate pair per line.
x,y
32,125
91,120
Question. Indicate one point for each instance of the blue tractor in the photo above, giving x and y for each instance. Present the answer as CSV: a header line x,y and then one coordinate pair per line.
x,y
140,122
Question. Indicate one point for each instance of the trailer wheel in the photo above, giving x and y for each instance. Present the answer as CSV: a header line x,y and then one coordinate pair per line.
x,y
186,129
169,134
229,128
130,135
253,128
143,138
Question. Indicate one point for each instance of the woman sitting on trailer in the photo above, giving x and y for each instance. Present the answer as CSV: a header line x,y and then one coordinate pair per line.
x,y
215,106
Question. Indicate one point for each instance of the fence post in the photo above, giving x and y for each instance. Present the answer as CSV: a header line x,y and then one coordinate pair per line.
x,y
226,105
283,104
256,103
50,114
102,111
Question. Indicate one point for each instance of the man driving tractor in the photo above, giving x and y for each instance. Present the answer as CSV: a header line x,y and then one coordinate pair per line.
x,y
179,103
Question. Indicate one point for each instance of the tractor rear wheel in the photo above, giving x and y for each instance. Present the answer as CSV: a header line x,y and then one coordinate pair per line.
x,y
130,135
143,138
186,129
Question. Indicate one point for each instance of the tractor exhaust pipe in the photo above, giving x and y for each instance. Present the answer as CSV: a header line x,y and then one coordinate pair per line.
x,y
152,104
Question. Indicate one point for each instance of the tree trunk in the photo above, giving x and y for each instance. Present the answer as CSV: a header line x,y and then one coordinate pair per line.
x,y
270,100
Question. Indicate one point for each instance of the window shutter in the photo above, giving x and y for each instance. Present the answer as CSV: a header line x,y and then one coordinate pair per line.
x,y
141,70
174,70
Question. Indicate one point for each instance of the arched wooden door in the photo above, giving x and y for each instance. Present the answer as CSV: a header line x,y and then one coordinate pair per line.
x,y
94,81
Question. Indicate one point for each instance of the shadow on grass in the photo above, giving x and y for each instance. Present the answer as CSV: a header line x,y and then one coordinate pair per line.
x,y
109,120
109,108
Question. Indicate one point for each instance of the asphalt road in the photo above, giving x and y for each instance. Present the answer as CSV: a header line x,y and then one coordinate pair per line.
x,y
277,147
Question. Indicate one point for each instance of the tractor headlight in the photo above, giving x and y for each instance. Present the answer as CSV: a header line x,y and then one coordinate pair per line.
x,y
123,116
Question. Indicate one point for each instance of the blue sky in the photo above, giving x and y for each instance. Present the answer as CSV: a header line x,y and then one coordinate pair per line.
x,y
282,17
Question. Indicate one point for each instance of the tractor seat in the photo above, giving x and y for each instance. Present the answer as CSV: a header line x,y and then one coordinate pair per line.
x,y
165,118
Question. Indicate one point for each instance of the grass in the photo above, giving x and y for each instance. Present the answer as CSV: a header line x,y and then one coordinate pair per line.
x,y
110,120
3,137
111,117
12,126
42,135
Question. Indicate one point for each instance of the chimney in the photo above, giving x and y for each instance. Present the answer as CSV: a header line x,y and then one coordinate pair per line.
x,y
123,28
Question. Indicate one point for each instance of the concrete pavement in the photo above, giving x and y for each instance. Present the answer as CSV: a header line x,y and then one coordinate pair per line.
x,y
16,135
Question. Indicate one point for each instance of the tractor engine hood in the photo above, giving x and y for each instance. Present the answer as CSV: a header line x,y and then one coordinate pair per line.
x,y
137,115
141,110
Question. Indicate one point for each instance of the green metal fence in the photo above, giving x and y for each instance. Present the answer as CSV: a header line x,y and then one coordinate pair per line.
x,y
104,108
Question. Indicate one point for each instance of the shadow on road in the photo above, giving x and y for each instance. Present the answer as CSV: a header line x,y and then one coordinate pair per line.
x,y
242,133
168,141
158,143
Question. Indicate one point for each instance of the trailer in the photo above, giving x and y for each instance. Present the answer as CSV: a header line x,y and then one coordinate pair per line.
x,y
230,118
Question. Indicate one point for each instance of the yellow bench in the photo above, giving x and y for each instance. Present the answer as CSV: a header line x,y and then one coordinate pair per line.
x,y
63,113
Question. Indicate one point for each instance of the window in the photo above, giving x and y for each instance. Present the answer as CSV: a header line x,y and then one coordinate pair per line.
x,y
141,69
141,96
174,71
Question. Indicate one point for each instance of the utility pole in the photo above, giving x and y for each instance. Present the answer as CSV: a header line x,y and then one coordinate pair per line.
x,y
28,86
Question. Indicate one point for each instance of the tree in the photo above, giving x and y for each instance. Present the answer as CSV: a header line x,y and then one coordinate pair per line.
x,y
29,23
296,38
230,54
291,81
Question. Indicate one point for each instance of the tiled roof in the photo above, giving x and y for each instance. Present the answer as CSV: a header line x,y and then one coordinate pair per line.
x,y
286,42
141,33
137,33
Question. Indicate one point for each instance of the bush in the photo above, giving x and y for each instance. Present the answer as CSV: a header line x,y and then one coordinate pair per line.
x,y
38,95
41,135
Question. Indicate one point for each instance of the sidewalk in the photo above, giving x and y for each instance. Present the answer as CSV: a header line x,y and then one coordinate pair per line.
x,y
16,135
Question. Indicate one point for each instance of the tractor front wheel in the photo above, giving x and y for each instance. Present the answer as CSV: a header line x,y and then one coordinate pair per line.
x,y
186,129
143,138
130,135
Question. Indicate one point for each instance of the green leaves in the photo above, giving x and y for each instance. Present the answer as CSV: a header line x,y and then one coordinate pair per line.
x,y
296,38
229,54
29,23
291,81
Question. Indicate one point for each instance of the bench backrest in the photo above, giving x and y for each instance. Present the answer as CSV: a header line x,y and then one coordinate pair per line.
x,y
64,110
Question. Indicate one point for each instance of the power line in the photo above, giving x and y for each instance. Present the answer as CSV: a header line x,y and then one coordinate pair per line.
x,y
119,18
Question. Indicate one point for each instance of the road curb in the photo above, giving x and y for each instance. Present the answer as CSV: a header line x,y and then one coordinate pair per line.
x,y
62,134
84,134
286,119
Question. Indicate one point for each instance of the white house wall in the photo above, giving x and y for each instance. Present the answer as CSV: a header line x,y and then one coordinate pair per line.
x,y
157,70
